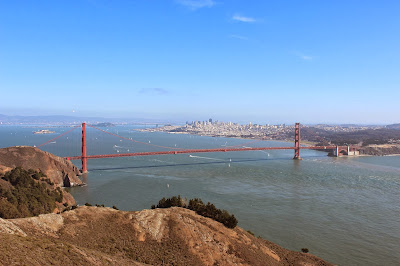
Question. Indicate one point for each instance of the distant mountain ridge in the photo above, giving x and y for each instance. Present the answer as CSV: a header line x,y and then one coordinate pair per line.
x,y
64,119
47,119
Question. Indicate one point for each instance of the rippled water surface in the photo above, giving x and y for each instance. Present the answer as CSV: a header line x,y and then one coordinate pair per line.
x,y
345,210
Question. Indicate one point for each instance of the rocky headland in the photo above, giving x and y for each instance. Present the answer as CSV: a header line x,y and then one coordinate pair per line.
x,y
59,172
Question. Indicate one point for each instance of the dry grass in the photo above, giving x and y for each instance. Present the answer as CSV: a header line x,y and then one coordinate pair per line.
x,y
174,236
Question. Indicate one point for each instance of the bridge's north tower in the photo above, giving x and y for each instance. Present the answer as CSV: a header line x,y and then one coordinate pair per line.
x,y
84,155
297,142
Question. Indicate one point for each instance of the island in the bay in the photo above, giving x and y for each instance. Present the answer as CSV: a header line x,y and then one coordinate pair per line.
x,y
104,124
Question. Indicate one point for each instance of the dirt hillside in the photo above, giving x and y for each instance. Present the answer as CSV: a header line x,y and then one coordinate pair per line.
x,y
174,236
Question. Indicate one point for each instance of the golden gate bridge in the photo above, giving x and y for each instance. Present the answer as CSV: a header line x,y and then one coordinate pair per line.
x,y
173,151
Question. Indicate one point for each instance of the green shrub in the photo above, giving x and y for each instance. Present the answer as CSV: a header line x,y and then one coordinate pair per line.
x,y
304,250
171,202
48,181
27,197
207,210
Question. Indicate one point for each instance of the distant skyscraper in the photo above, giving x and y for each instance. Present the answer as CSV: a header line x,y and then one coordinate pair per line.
x,y
210,120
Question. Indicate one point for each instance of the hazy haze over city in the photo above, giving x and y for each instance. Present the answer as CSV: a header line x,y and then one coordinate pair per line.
x,y
259,61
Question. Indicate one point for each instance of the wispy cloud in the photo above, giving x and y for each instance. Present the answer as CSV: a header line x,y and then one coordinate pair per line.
x,y
159,91
196,4
234,36
243,18
304,56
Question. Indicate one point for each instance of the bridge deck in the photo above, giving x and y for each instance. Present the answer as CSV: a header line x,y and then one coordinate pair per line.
x,y
199,151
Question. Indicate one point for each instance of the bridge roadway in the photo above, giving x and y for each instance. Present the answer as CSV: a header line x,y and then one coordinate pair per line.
x,y
200,151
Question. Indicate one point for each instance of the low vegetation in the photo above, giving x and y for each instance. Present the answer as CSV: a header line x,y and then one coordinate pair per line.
x,y
304,250
207,210
27,193
365,137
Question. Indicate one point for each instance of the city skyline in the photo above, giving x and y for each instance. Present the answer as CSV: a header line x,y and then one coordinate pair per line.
x,y
184,60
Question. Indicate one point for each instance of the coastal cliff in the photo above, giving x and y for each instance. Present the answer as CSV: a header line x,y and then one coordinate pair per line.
x,y
174,236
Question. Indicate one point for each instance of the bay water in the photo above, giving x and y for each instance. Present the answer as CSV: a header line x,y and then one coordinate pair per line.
x,y
344,210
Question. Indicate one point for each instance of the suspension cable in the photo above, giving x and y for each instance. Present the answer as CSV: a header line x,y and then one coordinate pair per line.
x,y
253,141
58,136
115,135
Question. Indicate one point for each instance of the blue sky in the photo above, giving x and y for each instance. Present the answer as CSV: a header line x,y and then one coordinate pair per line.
x,y
314,61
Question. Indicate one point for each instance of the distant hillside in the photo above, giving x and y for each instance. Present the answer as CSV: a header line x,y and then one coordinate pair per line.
x,y
393,126
366,137
174,236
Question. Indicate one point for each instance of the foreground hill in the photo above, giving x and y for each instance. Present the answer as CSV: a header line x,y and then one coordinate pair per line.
x,y
174,236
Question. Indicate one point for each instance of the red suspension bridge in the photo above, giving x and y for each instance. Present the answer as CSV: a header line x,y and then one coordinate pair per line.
x,y
297,147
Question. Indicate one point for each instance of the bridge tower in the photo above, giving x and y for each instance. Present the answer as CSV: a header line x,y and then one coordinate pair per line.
x,y
297,142
84,158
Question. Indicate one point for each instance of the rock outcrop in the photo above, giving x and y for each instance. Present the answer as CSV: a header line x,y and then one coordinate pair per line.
x,y
174,236
59,170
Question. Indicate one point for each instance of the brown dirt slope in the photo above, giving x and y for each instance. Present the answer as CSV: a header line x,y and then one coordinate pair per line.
x,y
57,169
174,236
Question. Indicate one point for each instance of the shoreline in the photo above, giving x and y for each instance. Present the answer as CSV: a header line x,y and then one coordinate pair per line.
x,y
308,143
305,143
